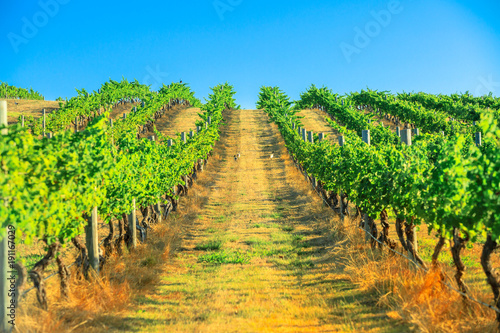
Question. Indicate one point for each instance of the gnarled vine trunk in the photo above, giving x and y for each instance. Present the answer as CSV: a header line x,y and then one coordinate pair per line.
x,y
174,203
121,235
36,274
400,232
412,249
437,250
491,275
384,234
63,277
458,245
345,204
21,281
371,229
82,261
108,241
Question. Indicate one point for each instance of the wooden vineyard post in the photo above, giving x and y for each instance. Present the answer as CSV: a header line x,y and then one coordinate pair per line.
x,y
310,137
5,300
170,143
406,136
132,227
416,131
478,139
293,125
92,241
366,138
22,120
209,120
44,122
124,116
341,141
198,129
304,134
183,137
398,131
191,134
76,124
321,137
341,144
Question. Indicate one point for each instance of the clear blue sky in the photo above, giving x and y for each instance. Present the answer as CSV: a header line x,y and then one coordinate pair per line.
x,y
438,46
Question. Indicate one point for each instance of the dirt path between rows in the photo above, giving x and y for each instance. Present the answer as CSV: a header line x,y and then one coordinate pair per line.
x,y
255,250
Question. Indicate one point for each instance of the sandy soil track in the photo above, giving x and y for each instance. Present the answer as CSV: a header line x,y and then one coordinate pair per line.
x,y
259,211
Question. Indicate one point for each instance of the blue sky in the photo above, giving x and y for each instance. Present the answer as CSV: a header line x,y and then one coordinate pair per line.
x,y
438,46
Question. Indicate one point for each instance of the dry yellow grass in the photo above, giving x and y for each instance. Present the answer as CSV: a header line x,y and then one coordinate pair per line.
x,y
18,107
178,119
34,108
91,301
415,297
314,120
118,111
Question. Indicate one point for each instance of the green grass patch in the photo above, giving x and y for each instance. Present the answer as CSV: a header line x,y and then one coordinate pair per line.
x,y
283,250
221,219
254,241
224,257
281,238
275,215
211,245
232,238
302,264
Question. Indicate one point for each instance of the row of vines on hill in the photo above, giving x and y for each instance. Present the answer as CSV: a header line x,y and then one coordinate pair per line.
x,y
8,91
51,186
446,182
459,106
